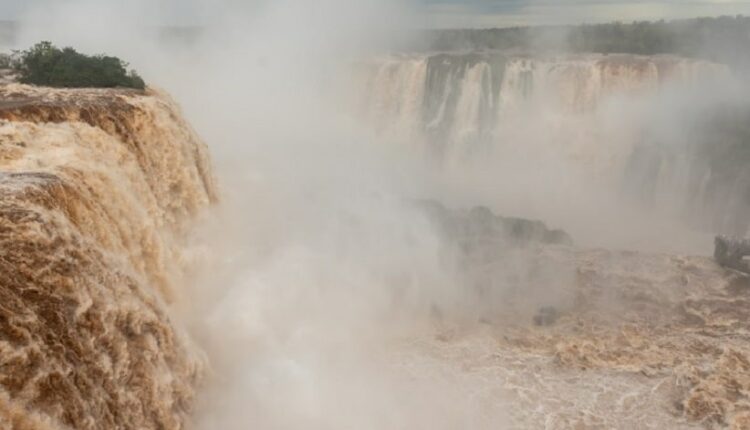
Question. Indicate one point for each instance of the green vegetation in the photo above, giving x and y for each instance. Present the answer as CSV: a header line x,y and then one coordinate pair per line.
x,y
6,61
723,39
46,65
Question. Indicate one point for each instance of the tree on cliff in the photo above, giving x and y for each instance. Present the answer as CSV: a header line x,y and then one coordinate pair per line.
x,y
45,64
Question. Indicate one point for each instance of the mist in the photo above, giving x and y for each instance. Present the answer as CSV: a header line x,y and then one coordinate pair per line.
x,y
317,285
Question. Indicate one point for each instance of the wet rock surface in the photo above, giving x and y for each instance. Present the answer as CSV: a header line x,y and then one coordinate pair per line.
x,y
730,252
480,226
546,316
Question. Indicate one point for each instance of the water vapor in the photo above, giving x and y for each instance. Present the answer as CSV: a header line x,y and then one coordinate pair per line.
x,y
320,283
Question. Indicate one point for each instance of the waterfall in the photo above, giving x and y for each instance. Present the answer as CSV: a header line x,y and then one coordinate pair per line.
x,y
463,106
97,192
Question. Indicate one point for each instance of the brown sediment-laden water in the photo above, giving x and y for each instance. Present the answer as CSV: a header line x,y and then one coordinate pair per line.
x,y
97,188
510,324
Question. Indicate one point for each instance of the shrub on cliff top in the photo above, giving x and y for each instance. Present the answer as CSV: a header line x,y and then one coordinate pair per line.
x,y
45,64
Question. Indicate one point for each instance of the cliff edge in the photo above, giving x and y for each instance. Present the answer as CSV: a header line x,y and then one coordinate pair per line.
x,y
97,189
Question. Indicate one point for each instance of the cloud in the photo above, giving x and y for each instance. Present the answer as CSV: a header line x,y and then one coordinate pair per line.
x,y
148,11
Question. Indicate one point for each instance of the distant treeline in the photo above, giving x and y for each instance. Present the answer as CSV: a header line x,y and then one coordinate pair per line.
x,y
725,39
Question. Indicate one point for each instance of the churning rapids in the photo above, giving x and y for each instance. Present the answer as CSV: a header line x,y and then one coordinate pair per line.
x,y
492,321
97,188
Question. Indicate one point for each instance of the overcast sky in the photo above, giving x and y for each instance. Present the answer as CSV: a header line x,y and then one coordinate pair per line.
x,y
465,13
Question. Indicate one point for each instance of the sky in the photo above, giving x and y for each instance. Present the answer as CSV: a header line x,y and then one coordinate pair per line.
x,y
458,13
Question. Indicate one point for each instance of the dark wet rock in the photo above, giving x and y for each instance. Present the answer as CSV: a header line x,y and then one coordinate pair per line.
x,y
503,266
546,316
729,252
480,225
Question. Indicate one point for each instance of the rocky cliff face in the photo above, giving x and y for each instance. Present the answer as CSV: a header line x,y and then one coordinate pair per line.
x,y
97,189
